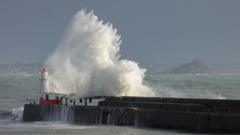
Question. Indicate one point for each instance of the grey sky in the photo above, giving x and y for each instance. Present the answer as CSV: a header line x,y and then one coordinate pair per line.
x,y
153,31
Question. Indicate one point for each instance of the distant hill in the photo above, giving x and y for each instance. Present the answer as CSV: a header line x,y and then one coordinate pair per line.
x,y
21,68
194,67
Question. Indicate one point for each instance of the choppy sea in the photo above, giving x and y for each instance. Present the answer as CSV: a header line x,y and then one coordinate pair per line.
x,y
17,89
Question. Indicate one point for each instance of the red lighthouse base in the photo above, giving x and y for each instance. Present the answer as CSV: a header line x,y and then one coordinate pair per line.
x,y
48,101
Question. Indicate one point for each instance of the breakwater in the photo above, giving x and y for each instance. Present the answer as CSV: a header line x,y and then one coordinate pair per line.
x,y
197,115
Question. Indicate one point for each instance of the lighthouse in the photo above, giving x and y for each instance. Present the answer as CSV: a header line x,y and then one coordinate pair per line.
x,y
44,87
44,81
45,98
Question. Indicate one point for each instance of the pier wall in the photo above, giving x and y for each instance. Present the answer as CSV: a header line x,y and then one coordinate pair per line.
x,y
206,116
32,113
86,115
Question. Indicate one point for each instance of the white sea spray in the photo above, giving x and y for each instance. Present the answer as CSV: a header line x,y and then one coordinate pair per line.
x,y
87,62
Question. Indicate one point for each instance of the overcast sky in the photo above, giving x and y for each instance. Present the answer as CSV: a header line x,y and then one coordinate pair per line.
x,y
153,31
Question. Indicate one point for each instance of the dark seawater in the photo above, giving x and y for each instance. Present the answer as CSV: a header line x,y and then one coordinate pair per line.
x,y
220,86
17,89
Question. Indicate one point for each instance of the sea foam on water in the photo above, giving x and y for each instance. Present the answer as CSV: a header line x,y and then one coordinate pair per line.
x,y
87,62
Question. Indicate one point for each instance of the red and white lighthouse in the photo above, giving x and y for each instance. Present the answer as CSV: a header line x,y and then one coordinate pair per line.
x,y
45,98
44,81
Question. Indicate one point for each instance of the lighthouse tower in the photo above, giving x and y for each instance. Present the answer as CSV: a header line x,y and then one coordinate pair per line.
x,y
44,98
44,86
44,81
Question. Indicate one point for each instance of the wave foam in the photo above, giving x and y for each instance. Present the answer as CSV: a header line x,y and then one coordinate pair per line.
x,y
87,62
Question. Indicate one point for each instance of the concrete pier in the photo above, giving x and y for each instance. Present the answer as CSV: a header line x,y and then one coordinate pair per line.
x,y
195,115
